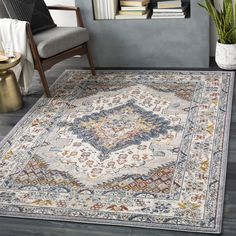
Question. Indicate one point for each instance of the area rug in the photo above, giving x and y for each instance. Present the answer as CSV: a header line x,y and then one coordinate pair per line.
x,y
131,148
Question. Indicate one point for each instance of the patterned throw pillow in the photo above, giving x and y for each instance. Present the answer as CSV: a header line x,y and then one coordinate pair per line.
x,y
33,11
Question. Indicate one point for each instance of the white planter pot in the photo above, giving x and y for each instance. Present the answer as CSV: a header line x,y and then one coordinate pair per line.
x,y
226,56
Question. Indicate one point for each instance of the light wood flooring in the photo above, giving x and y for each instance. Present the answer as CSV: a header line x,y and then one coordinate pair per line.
x,y
27,227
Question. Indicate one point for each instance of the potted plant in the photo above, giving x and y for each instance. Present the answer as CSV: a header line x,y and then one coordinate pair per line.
x,y
225,21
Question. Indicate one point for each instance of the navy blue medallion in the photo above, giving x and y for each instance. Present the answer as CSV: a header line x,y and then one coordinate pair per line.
x,y
119,127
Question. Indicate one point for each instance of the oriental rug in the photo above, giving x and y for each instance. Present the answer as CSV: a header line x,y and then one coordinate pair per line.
x,y
131,148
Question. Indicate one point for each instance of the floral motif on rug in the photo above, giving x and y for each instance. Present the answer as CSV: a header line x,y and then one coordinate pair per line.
x,y
143,149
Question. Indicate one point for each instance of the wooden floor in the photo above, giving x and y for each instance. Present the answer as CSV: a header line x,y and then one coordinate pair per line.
x,y
26,227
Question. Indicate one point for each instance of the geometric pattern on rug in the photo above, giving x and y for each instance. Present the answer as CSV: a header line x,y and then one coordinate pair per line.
x,y
157,180
37,174
119,127
143,149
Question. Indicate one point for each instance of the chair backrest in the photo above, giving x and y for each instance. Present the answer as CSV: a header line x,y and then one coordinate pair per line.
x,y
3,12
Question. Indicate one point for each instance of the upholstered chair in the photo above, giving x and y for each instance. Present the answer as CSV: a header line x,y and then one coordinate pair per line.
x,y
55,44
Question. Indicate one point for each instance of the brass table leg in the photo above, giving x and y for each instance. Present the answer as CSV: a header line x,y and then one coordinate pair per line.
x,y
10,96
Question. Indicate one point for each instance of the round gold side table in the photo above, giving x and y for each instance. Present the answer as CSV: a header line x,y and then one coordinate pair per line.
x,y
10,96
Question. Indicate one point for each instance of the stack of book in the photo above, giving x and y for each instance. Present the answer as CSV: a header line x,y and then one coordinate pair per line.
x,y
133,9
105,9
169,9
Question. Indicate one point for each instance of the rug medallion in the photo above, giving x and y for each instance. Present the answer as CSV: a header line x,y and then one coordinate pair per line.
x,y
143,149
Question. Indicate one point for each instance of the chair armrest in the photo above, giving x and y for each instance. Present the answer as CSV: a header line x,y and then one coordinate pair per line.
x,y
69,8
32,44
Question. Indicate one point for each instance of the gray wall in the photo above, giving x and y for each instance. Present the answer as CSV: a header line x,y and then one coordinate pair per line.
x,y
68,19
149,43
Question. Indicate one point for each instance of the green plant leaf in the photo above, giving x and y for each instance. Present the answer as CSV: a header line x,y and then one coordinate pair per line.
x,y
224,19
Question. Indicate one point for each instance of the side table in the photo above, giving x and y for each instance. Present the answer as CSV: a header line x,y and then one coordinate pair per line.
x,y
10,96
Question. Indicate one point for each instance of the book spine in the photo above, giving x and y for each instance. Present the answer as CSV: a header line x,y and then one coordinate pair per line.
x,y
109,9
115,7
134,8
168,17
130,3
104,9
166,10
168,14
113,11
132,12
99,9
95,9
168,5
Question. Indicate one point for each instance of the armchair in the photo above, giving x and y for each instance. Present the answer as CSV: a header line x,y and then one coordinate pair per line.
x,y
48,47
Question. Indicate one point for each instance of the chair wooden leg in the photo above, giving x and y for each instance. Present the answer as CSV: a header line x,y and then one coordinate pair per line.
x,y
90,60
44,82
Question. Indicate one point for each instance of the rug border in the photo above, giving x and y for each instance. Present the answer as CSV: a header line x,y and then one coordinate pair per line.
x,y
222,184
225,156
